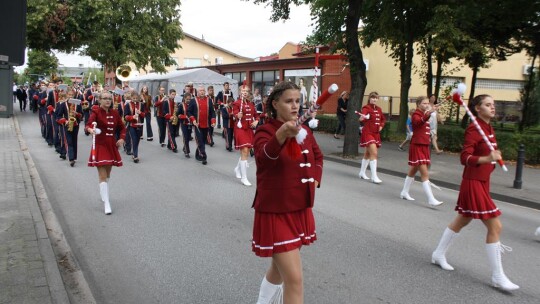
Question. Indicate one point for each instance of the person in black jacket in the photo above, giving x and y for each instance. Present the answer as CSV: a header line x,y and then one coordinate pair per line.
x,y
341,112
22,96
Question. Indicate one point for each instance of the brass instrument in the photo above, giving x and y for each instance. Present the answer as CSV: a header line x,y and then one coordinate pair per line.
x,y
72,120
123,72
175,117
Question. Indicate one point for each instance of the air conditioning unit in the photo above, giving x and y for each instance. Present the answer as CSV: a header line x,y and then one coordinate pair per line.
x,y
219,60
527,69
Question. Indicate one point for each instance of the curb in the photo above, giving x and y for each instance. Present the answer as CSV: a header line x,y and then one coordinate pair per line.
x,y
501,197
58,253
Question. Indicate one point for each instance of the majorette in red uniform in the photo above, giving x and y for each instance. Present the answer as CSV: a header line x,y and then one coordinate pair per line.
x,y
374,120
104,153
109,122
246,116
474,201
419,156
286,185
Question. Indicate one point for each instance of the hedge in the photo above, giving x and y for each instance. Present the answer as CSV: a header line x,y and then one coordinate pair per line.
x,y
450,138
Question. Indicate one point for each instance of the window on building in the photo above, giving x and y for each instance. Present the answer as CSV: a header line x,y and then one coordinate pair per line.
x,y
264,81
238,76
499,84
448,81
192,62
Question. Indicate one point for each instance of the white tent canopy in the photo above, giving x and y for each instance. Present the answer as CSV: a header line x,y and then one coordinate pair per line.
x,y
178,79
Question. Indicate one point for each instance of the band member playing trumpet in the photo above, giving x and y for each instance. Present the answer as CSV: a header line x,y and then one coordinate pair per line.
x,y
147,100
158,102
108,122
221,100
202,115
185,125
247,120
134,113
228,123
169,110
69,115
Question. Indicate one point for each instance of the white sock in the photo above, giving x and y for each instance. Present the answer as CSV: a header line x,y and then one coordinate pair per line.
x,y
267,291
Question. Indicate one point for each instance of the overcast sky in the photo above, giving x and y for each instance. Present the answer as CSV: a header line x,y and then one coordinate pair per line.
x,y
238,26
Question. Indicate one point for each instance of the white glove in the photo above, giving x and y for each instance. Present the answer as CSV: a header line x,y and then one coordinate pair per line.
x,y
98,131
366,116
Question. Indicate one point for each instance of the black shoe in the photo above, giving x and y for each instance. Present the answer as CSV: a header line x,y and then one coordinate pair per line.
x,y
211,144
187,155
136,160
149,139
129,153
400,148
175,150
162,145
72,163
62,156
204,162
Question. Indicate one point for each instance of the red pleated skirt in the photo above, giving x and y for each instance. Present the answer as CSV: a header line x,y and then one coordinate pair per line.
x,y
367,139
243,138
474,200
282,232
419,155
106,155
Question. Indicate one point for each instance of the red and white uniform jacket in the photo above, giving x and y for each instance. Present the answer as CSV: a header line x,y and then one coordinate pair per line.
x,y
285,184
421,129
249,113
201,110
473,148
376,119
109,122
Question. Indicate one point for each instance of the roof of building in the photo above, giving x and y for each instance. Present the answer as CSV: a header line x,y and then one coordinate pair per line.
x,y
215,46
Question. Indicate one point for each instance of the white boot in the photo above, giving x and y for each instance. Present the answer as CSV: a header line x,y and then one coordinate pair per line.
x,y
373,168
498,278
537,232
237,169
363,168
268,292
243,171
439,255
431,199
406,186
104,191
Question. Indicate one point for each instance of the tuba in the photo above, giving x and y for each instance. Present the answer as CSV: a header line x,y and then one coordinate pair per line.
x,y
124,72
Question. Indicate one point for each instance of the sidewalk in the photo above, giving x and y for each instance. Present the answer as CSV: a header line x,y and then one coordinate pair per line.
x,y
28,269
446,171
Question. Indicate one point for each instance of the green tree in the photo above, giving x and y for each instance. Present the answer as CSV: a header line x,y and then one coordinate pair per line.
x,y
144,32
41,63
336,23
63,25
112,32
397,25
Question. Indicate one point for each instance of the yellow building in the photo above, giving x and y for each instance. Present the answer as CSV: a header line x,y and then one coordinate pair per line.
x,y
502,79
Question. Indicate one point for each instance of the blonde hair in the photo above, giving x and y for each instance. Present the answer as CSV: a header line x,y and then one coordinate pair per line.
x,y
373,94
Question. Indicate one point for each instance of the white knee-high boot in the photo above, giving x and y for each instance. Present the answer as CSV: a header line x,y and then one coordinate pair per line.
x,y
104,192
406,186
373,167
243,171
268,292
431,199
363,167
237,169
439,255
498,278
537,232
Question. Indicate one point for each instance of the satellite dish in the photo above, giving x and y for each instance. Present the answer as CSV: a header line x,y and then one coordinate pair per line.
x,y
206,57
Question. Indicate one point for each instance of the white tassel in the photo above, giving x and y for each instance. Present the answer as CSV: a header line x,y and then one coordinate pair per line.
x,y
314,123
301,136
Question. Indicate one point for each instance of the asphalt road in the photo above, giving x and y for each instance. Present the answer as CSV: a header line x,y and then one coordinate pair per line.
x,y
180,233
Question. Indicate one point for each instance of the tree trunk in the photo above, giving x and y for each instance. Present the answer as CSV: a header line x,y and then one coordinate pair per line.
x,y
465,120
525,113
406,54
358,78
429,73
438,76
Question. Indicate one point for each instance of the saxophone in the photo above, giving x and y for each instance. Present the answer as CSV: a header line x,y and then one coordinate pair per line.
x,y
175,117
72,119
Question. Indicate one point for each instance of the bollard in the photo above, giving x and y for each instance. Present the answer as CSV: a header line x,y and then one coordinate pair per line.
x,y
519,166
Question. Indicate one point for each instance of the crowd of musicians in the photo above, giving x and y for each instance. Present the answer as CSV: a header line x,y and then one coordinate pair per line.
x,y
193,114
